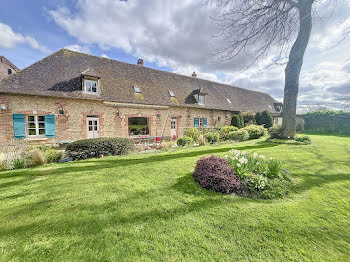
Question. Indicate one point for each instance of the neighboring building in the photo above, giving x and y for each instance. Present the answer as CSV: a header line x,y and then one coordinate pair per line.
x,y
7,68
69,95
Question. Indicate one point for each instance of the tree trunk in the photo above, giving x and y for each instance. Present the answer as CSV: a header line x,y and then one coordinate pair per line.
x,y
292,71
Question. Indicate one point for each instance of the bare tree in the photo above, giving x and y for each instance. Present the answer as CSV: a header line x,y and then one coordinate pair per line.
x,y
262,27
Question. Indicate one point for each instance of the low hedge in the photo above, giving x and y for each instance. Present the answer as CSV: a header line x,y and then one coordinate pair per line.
x,y
90,148
212,137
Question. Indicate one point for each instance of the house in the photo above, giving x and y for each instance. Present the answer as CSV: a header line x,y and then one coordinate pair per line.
x,y
70,95
7,68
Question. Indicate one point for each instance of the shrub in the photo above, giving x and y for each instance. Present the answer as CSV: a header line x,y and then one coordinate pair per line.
x,y
18,163
266,119
258,118
193,133
255,131
90,148
169,144
185,141
236,121
216,174
276,132
52,155
225,130
34,157
212,137
239,135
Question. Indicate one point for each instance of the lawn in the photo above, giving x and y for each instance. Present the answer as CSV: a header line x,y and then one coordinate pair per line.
x,y
145,207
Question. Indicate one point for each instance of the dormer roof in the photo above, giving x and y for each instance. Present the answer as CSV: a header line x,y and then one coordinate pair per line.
x,y
90,72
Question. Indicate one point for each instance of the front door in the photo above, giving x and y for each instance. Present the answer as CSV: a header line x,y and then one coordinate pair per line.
x,y
93,127
173,126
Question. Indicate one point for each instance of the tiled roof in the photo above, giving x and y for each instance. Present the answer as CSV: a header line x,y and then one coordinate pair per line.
x,y
59,75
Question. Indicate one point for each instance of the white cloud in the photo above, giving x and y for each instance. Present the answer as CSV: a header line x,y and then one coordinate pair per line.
x,y
105,56
78,48
176,34
9,39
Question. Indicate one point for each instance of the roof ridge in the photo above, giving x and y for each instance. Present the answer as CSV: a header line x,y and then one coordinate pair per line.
x,y
162,71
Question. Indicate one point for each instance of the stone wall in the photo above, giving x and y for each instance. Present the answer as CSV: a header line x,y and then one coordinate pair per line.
x,y
72,124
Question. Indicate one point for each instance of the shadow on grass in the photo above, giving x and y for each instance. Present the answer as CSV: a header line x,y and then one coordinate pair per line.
x,y
99,164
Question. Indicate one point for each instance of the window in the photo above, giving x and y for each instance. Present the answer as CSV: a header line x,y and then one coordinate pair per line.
x,y
171,93
200,100
138,126
91,86
36,125
200,122
137,89
9,71
228,100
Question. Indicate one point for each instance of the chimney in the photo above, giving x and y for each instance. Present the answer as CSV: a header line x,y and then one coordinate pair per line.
x,y
140,62
194,74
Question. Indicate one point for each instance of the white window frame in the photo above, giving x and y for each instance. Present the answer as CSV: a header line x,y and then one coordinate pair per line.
x,y
201,102
91,81
37,128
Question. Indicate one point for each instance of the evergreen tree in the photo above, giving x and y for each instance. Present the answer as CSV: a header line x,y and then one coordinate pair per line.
x,y
258,118
266,119
236,121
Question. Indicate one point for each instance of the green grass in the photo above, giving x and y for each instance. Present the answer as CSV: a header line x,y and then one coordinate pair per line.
x,y
145,207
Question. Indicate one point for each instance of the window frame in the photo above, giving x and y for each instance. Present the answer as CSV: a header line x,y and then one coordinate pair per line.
x,y
88,80
37,128
199,100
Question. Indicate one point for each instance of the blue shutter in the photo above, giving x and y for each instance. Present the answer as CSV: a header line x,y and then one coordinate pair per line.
x,y
19,126
205,122
196,122
50,128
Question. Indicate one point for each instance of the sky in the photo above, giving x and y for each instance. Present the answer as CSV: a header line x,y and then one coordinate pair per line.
x,y
175,36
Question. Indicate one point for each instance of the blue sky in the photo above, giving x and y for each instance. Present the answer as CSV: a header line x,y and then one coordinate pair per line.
x,y
173,36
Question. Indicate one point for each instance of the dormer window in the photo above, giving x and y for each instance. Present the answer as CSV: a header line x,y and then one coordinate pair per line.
x,y
137,90
201,99
91,86
90,81
171,93
9,71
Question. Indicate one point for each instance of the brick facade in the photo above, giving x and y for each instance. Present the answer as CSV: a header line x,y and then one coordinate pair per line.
x,y
71,114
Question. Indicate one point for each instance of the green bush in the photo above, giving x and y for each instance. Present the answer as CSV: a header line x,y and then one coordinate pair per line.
x,y
225,130
276,132
19,163
185,141
249,118
239,135
255,131
212,137
236,121
90,148
52,155
193,133
266,119
258,118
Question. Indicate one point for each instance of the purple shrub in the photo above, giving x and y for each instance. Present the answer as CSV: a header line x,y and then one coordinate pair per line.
x,y
214,173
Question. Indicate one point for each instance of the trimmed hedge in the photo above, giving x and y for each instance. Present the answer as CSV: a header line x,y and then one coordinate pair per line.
x,y
90,148
327,122
266,119
214,173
